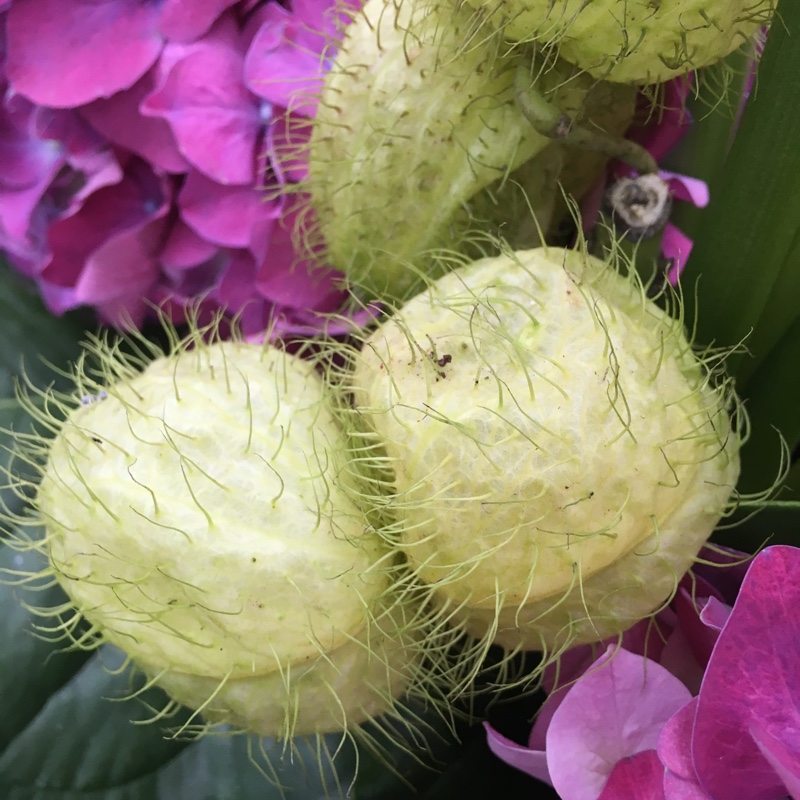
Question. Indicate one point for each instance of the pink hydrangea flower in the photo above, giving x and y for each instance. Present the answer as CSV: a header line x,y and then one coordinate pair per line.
x,y
701,703
145,149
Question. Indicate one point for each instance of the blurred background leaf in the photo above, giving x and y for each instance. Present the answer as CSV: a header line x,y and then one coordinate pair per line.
x,y
742,283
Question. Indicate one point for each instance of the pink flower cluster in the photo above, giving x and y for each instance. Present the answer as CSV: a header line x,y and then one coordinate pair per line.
x,y
143,149
701,703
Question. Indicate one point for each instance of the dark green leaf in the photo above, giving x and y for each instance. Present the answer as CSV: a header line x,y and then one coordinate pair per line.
x,y
31,339
744,250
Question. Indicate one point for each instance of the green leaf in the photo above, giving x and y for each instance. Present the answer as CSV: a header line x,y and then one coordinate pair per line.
x,y
745,263
31,669
31,339
773,404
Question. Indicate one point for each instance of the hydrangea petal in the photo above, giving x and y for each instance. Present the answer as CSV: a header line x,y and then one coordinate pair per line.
x,y
636,777
118,118
184,248
118,276
287,279
105,251
212,115
284,63
531,762
64,53
328,17
229,216
286,140
753,676
25,161
615,710
187,20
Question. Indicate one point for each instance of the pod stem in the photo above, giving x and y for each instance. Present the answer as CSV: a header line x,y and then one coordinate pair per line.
x,y
548,120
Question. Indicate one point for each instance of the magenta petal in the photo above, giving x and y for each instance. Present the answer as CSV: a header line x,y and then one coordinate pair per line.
x,y
212,115
287,146
676,247
58,299
725,571
663,129
532,762
691,190
289,280
284,63
237,289
184,248
118,118
119,274
783,753
328,17
676,788
715,616
675,742
637,777
187,20
89,246
701,636
753,677
537,739
229,216
678,656
25,160
65,53
617,709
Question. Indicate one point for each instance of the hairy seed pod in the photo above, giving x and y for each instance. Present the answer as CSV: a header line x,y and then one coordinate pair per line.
x,y
558,453
633,41
417,116
195,515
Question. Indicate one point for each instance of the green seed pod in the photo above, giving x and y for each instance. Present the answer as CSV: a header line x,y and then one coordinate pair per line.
x,y
633,41
195,515
417,116
558,453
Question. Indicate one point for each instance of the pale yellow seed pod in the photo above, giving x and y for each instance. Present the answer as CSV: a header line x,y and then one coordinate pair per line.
x,y
559,454
195,516
633,41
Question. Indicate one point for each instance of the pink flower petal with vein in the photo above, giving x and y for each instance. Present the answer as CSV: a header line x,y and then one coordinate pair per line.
x,y
617,709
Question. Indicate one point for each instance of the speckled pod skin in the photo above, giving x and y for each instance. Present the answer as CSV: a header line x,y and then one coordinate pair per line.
x,y
633,41
559,454
195,516
416,117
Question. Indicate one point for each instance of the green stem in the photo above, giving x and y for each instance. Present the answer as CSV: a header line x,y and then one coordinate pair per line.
x,y
548,120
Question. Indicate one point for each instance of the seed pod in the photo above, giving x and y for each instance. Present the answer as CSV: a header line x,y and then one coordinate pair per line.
x,y
416,117
558,453
633,41
195,515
